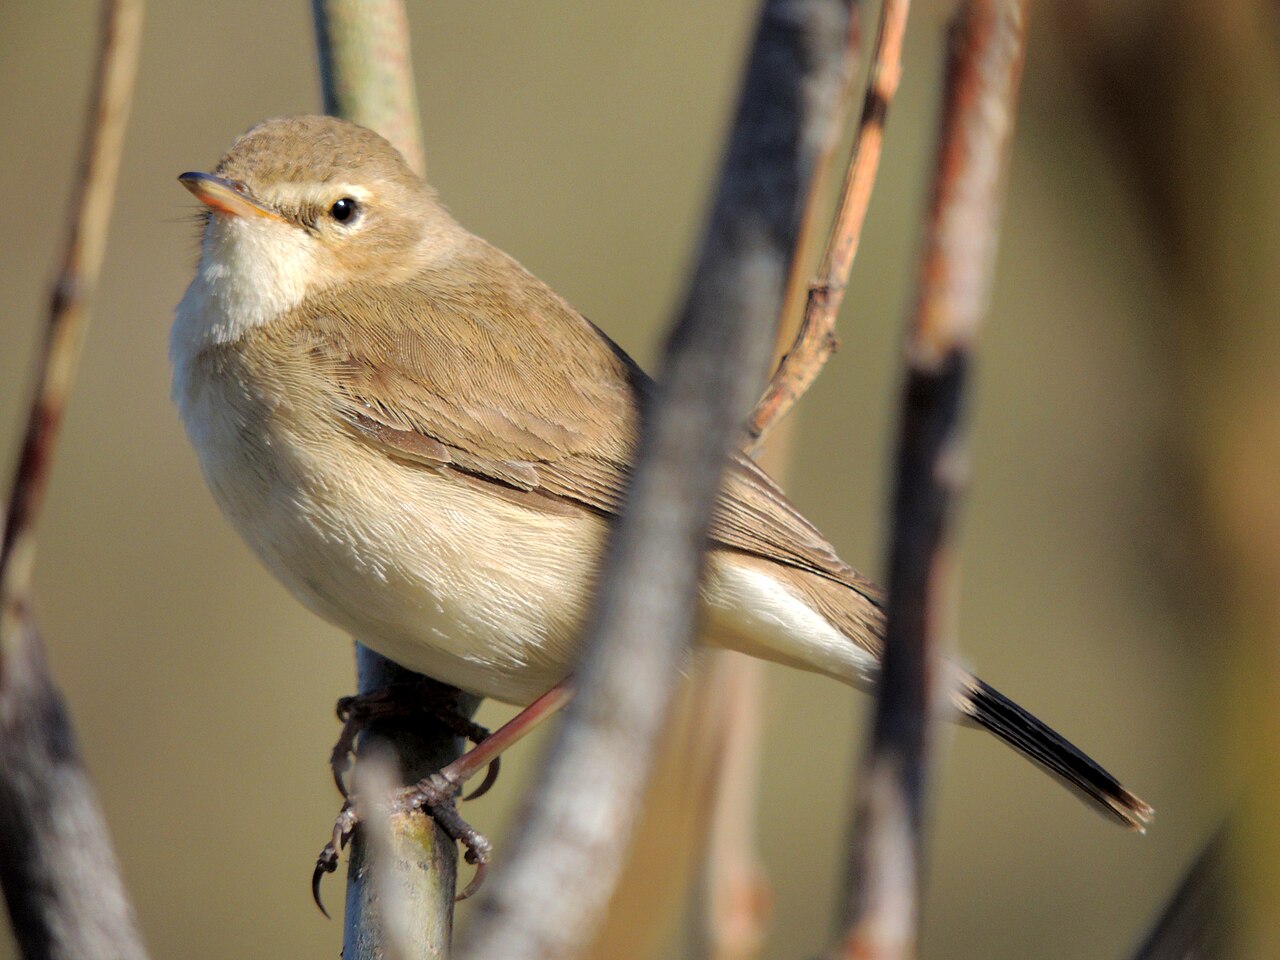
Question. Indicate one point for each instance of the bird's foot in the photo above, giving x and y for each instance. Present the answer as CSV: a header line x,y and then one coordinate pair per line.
x,y
433,796
425,700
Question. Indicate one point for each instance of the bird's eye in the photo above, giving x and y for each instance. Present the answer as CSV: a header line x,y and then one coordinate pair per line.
x,y
344,210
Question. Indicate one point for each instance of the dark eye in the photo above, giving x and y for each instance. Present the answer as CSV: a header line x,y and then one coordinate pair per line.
x,y
344,210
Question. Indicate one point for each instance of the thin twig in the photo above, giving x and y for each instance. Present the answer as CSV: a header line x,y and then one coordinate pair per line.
x,y
800,274
690,791
815,340
735,903
562,863
885,867
739,900
74,286
736,899
62,884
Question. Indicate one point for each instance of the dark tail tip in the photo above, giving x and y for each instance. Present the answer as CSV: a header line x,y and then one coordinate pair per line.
x,y
1038,742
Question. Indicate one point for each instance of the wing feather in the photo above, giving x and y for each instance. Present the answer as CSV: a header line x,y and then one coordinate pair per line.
x,y
505,383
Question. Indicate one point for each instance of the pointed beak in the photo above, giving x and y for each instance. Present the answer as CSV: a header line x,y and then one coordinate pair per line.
x,y
225,196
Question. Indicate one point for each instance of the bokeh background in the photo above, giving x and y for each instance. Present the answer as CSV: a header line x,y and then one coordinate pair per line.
x,y
1124,431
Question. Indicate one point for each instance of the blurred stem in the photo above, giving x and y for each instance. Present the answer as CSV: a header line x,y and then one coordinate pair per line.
x,y
62,885
76,282
686,798
562,863
366,71
814,339
699,810
737,897
366,76
984,65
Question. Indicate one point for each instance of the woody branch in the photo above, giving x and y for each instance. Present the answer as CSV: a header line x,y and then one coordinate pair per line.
x,y
545,898
62,885
984,66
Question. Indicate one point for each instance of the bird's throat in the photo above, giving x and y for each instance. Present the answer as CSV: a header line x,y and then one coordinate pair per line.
x,y
249,274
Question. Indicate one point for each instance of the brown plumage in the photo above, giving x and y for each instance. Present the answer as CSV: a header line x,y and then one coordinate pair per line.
x,y
426,443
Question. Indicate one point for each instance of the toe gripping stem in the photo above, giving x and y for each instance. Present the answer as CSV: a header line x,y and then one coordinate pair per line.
x,y
434,796
424,700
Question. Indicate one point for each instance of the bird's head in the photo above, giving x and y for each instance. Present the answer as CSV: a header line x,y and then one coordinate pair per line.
x,y
301,204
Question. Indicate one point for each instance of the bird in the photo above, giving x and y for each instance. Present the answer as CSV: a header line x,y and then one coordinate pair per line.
x,y
427,445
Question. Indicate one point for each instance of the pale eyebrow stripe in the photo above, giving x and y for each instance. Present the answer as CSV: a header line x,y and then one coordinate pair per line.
x,y
298,194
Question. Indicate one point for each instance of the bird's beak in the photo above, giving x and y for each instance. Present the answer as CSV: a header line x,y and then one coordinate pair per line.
x,y
227,197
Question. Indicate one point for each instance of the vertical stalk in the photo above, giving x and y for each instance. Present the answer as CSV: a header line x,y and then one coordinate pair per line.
x,y
62,885
561,866
366,76
984,66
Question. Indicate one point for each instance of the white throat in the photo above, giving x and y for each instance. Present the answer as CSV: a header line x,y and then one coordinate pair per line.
x,y
250,273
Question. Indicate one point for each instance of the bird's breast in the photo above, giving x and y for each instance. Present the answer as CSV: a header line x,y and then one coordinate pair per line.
x,y
434,572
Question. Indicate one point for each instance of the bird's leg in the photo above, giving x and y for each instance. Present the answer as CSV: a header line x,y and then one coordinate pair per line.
x,y
423,700
434,795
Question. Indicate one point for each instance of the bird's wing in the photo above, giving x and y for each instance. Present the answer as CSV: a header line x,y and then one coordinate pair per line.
x,y
511,387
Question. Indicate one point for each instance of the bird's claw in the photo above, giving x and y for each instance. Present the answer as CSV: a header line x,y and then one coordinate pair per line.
x,y
433,796
343,827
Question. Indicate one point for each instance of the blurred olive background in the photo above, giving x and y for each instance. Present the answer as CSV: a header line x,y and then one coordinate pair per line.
x,y
582,138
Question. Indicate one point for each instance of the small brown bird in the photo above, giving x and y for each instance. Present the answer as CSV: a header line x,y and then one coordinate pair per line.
x,y
427,445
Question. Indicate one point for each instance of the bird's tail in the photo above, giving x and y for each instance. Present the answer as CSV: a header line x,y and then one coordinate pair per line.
x,y
990,708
